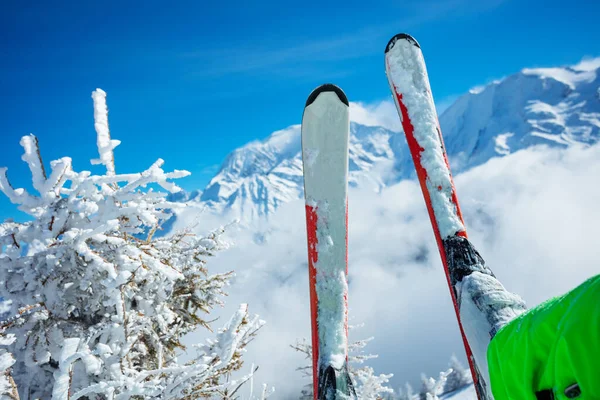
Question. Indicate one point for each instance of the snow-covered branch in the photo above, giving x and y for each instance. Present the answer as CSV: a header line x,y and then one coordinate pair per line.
x,y
104,142
8,388
451,380
97,305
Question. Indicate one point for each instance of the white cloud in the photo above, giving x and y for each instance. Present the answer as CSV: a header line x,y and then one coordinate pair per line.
x,y
381,113
533,215
588,64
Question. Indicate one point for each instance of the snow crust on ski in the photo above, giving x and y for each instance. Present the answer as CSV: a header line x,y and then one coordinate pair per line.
x,y
406,70
325,136
481,303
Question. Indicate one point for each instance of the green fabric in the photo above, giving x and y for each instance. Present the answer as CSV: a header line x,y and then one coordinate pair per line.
x,y
551,346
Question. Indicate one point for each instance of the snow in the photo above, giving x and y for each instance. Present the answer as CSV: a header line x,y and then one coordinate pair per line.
x,y
88,256
502,147
507,207
568,76
104,142
6,361
257,179
556,107
485,305
32,157
507,200
407,73
62,378
467,393
325,127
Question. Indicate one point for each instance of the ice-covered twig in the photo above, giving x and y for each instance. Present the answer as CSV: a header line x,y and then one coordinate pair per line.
x,y
48,187
33,158
104,142
16,196
155,174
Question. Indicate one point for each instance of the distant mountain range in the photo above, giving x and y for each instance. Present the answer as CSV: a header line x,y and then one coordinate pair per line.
x,y
392,247
544,106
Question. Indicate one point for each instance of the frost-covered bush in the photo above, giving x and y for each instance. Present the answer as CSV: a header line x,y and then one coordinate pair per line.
x,y
458,378
8,388
432,388
455,378
98,304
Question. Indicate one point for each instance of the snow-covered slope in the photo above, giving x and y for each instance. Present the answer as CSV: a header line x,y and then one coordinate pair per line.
x,y
552,106
466,393
257,178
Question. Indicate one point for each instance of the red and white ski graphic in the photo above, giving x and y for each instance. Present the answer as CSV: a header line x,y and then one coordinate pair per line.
x,y
325,136
481,303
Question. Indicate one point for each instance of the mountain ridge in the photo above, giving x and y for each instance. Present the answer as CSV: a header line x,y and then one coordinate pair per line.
x,y
558,106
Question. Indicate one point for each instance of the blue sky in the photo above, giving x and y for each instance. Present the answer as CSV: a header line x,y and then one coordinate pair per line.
x,y
191,81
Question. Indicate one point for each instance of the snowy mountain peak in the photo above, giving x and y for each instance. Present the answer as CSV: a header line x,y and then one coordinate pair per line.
x,y
551,106
585,71
256,178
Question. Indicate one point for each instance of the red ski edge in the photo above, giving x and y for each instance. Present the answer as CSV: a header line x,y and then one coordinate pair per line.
x,y
313,257
415,150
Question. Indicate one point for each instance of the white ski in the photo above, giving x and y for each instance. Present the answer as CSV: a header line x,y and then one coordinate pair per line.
x,y
325,135
481,303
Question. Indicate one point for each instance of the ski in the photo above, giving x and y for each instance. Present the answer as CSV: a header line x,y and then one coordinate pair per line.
x,y
481,303
325,136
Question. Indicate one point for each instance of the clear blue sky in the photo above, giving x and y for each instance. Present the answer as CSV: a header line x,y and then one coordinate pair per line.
x,y
189,81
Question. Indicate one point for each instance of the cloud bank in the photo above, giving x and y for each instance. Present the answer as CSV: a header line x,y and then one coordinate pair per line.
x,y
376,114
532,215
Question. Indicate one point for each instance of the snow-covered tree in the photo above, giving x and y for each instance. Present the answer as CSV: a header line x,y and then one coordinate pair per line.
x,y
8,388
367,384
408,395
98,303
432,388
458,378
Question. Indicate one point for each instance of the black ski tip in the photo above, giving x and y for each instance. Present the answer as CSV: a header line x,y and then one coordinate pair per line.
x,y
401,36
327,87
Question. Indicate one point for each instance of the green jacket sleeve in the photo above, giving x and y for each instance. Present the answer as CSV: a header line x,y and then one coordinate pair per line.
x,y
551,347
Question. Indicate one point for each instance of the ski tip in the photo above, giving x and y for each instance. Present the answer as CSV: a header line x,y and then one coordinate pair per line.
x,y
401,36
327,87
